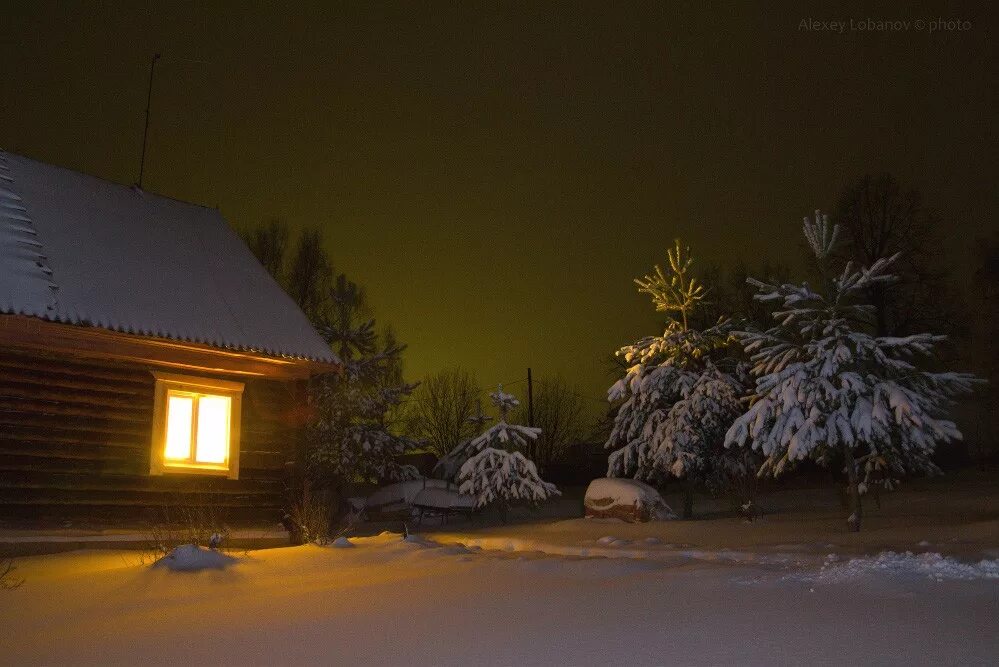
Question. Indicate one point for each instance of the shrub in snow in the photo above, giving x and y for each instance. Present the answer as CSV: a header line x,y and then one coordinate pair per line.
x,y
8,581
496,472
625,499
679,395
309,517
828,390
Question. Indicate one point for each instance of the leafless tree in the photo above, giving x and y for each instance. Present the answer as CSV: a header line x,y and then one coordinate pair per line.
x,y
310,276
730,296
880,218
269,243
440,409
559,412
983,353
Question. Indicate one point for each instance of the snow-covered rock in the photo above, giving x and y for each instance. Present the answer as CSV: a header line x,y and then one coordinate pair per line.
x,y
627,499
192,558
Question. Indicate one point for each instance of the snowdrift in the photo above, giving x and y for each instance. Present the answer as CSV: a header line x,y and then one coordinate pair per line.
x,y
192,558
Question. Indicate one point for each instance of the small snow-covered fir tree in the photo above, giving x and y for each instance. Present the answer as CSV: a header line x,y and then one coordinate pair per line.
x,y
449,465
828,390
496,472
351,438
679,394
351,435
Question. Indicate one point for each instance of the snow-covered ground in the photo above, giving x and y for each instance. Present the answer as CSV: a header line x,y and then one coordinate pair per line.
x,y
393,601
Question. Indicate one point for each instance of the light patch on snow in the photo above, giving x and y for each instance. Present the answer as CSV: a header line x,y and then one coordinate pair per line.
x,y
613,547
456,604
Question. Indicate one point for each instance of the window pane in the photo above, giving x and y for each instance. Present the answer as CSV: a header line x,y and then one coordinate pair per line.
x,y
178,435
213,429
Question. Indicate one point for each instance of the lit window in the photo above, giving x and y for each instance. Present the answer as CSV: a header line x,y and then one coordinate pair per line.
x,y
195,426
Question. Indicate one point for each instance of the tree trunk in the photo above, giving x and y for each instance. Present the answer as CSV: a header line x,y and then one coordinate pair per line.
x,y
879,296
688,501
841,492
853,477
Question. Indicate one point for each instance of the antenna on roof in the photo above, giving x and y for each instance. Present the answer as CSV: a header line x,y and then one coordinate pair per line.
x,y
145,130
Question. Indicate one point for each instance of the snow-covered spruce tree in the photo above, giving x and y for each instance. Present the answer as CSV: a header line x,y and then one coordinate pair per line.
x,y
351,437
828,390
680,393
449,465
496,471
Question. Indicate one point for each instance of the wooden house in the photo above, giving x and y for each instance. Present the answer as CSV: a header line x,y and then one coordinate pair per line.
x,y
145,356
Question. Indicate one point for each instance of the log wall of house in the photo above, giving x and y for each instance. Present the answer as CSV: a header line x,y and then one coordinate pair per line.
x,y
75,444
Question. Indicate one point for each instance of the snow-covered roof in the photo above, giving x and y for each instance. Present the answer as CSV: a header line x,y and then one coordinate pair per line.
x,y
81,250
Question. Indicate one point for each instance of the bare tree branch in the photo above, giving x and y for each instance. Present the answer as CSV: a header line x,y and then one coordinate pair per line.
x,y
559,413
441,407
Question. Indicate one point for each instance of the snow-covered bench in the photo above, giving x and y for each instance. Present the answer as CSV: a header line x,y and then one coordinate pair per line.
x,y
396,500
433,501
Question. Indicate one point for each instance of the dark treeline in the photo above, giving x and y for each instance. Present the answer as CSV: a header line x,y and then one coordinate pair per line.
x,y
878,217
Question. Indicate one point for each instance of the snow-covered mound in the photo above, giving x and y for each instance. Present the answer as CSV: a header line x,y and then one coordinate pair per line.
x,y
192,558
627,499
342,543
420,540
443,499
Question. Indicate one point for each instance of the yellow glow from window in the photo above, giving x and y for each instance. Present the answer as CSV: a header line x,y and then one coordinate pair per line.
x,y
180,410
213,429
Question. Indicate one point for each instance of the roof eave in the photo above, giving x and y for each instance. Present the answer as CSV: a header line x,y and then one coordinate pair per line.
x,y
88,341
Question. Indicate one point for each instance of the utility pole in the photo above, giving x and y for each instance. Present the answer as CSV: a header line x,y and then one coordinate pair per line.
x,y
530,399
145,130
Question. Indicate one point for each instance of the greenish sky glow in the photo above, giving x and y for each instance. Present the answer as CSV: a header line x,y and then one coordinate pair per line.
x,y
496,178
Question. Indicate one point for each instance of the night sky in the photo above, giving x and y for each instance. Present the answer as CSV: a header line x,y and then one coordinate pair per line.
x,y
496,178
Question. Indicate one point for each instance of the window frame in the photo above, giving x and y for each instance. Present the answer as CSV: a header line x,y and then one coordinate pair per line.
x,y
190,384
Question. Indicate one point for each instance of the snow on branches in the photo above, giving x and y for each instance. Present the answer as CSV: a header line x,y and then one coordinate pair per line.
x,y
674,291
495,469
828,390
498,475
352,436
680,393
673,421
